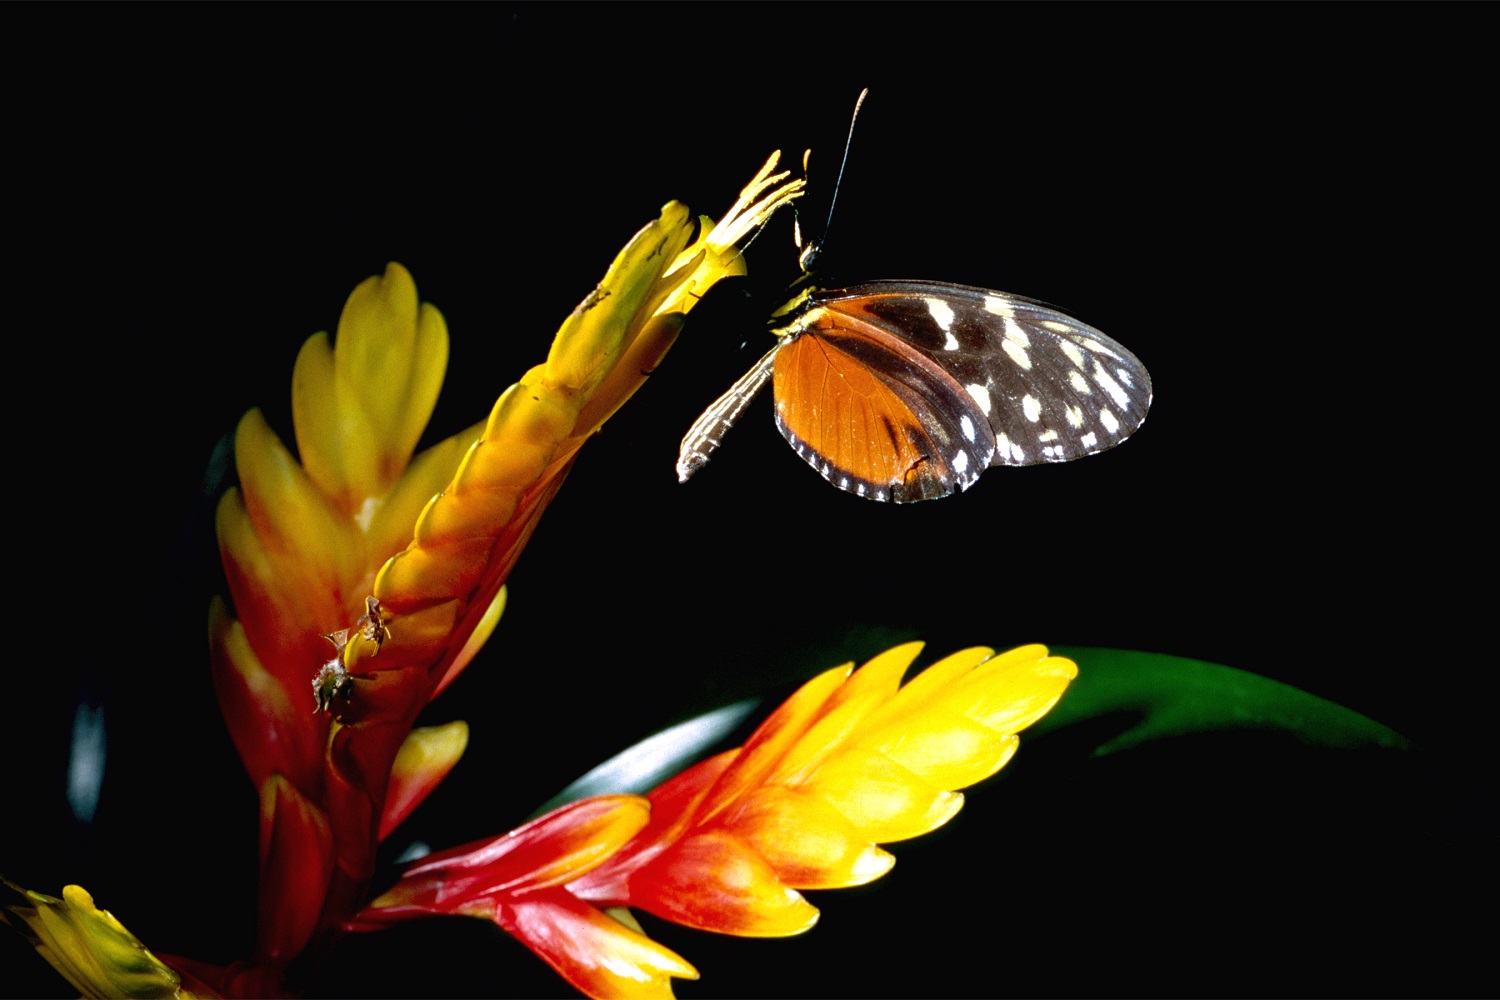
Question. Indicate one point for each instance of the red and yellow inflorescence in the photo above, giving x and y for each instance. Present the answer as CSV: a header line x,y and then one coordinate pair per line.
x,y
850,761
401,562
363,579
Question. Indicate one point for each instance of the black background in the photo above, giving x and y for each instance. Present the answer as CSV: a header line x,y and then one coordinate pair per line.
x,y
1277,217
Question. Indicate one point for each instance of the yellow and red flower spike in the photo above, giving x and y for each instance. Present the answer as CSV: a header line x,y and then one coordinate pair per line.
x,y
93,951
445,586
847,763
406,557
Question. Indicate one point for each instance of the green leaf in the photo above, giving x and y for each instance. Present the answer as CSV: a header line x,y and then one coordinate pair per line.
x,y
1156,696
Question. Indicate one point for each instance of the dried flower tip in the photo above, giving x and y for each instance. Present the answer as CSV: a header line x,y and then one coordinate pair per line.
x,y
372,626
333,682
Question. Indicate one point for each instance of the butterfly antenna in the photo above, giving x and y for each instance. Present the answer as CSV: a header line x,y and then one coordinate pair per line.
x,y
810,251
756,235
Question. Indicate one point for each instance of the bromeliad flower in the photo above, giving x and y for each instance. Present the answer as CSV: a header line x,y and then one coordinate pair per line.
x,y
400,562
92,950
848,762
364,578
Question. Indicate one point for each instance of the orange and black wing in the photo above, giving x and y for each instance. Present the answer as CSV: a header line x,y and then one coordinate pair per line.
x,y
908,390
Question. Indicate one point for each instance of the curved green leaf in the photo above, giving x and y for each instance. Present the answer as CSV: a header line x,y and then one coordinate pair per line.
x,y
1157,696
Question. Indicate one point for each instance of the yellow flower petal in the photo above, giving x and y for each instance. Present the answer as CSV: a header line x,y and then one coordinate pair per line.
x,y
592,339
425,758
317,421
848,762
936,679
360,406
883,800
712,881
847,709
952,752
1010,695
810,844
761,754
92,950
478,636
314,551
391,520
641,358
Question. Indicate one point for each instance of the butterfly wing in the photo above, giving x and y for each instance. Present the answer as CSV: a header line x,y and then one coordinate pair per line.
x,y
874,416
907,390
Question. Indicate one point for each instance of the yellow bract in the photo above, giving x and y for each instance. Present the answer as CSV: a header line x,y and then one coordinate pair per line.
x,y
425,758
435,536
467,536
93,951
308,537
360,405
890,759
852,760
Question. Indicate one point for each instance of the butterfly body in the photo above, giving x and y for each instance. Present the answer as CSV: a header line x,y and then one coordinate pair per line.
x,y
908,390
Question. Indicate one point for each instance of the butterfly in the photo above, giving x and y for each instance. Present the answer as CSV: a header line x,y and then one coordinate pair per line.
x,y
908,390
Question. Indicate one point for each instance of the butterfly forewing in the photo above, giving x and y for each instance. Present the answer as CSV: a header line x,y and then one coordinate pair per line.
x,y
1052,388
